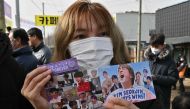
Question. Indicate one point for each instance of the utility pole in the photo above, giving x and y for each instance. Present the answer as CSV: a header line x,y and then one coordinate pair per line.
x,y
2,16
139,31
17,16
43,12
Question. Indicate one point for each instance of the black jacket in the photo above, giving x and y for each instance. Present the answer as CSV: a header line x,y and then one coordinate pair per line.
x,y
25,58
164,71
114,87
42,53
11,78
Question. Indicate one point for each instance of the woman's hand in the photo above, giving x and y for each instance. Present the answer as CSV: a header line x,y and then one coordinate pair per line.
x,y
118,103
33,88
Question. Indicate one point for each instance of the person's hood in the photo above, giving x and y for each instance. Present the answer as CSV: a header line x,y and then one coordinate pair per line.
x,y
22,51
5,47
164,53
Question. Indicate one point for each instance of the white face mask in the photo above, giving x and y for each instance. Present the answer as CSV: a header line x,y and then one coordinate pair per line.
x,y
155,50
92,52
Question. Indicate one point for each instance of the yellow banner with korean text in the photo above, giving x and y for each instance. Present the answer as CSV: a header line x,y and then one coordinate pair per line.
x,y
46,20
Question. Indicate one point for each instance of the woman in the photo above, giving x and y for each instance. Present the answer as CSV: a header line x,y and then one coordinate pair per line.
x,y
85,31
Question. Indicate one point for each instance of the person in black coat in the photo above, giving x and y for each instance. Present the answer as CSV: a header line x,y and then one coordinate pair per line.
x,y
22,53
11,77
21,50
164,72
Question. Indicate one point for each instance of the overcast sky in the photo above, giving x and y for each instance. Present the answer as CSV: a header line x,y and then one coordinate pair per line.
x,y
30,8
113,6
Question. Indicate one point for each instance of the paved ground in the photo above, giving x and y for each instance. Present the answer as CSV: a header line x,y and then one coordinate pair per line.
x,y
187,88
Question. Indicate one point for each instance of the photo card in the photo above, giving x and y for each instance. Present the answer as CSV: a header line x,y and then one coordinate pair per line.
x,y
61,86
132,82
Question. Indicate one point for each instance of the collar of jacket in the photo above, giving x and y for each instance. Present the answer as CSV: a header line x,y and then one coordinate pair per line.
x,y
22,51
164,54
36,49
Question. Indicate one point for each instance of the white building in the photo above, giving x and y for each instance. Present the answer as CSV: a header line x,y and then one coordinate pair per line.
x,y
128,23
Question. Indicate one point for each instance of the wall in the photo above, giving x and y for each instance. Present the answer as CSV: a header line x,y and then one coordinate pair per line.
x,y
128,23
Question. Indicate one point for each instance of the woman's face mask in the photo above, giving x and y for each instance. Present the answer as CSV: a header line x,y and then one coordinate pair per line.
x,y
92,52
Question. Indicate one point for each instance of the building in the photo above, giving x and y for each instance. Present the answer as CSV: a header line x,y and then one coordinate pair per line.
x,y
9,8
128,24
174,22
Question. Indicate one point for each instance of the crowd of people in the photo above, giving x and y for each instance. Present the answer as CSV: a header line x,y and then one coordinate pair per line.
x,y
84,24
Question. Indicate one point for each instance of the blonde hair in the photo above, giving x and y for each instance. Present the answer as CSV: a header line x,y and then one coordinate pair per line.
x,y
70,20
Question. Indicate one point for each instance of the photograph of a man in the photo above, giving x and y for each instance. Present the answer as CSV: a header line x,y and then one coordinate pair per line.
x,y
55,97
94,74
126,76
106,84
138,80
149,85
145,74
67,81
96,81
116,83
82,85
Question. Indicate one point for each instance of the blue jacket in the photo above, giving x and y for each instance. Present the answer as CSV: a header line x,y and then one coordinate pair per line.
x,y
25,58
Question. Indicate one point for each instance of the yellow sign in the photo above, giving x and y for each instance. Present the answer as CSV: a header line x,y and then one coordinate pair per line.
x,y
46,20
